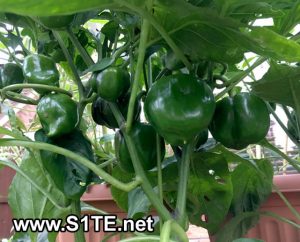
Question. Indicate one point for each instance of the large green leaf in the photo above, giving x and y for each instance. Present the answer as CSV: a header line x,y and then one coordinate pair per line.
x,y
281,84
33,195
274,45
251,187
54,7
209,190
203,34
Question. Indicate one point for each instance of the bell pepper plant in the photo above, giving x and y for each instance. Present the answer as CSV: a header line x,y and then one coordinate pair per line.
x,y
159,99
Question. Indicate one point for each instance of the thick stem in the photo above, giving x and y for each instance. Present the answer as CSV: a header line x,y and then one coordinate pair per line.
x,y
77,79
184,172
166,231
77,158
169,226
138,72
139,171
79,235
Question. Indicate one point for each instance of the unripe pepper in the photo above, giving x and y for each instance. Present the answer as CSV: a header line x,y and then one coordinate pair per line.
x,y
11,74
40,69
144,137
112,83
179,107
240,120
57,114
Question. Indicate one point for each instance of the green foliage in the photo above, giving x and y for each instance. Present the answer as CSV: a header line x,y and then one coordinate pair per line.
x,y
43,199
209,190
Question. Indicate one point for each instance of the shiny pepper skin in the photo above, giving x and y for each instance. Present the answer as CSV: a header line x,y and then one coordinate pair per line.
x,y
179,107
240,120
112,83
11,74
144,137
57,114
40,69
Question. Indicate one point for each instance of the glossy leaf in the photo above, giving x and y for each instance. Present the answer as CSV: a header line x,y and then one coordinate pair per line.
x,y
25,197
209,190
280,85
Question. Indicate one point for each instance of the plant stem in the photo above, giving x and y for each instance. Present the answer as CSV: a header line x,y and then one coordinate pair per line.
x,y
16,97
159,174
292,138
179,232
184,172
138,72
35,86
85,56
139,171
88,208
287,203
285,220
169,226
77,79
239,77
76,210
77,158
165,35
293,162
166,231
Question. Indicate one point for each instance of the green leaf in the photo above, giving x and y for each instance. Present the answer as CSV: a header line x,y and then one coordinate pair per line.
x,y
233,229
32,195
209,190
250,186
54,7
138,203
199,32
121,197
104,63
269,43
281,84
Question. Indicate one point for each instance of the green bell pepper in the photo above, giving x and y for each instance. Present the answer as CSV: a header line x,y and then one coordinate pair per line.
x,y
144,137
40,69
57,114
179,107
240,120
